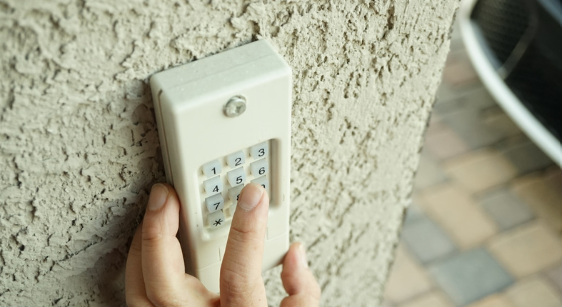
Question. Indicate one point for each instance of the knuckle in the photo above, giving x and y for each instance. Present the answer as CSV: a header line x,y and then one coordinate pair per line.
x,y
151,236
163,298
135,249
136,302
244,235
232,281
237,285
242,231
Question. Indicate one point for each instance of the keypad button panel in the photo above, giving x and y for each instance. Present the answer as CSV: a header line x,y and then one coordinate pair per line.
x,y
223,179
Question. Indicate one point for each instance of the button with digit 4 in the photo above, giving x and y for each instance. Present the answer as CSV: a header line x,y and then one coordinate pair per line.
x,y
213,185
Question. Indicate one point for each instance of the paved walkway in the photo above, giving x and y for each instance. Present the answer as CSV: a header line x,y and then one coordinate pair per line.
x,y
485,228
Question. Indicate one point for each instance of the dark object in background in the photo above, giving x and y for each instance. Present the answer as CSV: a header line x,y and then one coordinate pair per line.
x,y
523,41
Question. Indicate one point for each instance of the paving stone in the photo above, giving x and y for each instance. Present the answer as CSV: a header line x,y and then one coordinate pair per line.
x,y
434,119
534,292
470,276
454,209
432,299
449,98
429,173
528,249
497,120
436,125
413,213
524,155
480,170
426,240
506,209
475,97
494,300
544,195
469,125
476,118
456,38
555,275
407,279
444,143
458,70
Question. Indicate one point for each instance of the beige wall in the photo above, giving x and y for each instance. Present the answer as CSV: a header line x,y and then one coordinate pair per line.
x,y
79,147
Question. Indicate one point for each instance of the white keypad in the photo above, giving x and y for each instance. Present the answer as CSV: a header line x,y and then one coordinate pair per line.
x,y
260,150
212,168
224,178
216,219
259,168
236,159
234,194
214,203
263,182
236,177
213,186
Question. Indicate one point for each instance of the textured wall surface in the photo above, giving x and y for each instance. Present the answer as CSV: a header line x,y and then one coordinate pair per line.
x,y
79,147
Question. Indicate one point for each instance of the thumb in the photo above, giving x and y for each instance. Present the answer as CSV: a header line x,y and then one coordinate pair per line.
x,y
298,280
162,261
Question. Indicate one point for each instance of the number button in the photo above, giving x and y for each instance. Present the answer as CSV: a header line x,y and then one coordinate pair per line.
x,y
236,177
213,186
263,182
234,194
236,159
260,150
212,168
216,219
259,168
214,203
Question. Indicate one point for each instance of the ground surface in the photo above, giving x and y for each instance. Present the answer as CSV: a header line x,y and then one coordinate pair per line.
x,y
485,227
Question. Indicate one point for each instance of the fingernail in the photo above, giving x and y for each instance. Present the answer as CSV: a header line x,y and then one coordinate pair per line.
x,y
158,196
250,197
302,252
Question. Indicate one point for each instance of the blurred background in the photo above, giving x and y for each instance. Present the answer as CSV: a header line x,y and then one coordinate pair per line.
x,y
485,226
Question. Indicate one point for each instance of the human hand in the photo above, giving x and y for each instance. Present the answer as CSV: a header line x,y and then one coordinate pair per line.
x,y
155,273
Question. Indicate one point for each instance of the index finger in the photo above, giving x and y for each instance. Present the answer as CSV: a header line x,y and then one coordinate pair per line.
x,y
240,278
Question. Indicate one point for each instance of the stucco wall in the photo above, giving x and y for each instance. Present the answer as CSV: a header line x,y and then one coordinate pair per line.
x,y
79,146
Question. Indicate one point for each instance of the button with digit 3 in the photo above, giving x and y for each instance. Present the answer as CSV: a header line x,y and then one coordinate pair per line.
x,y
259,151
